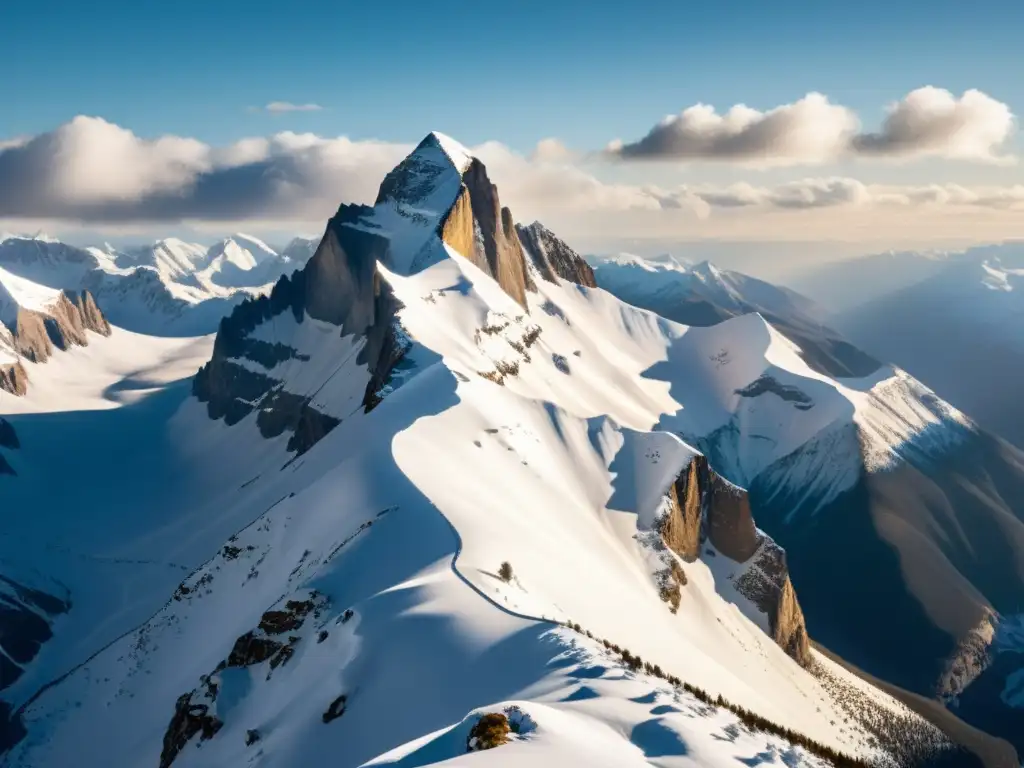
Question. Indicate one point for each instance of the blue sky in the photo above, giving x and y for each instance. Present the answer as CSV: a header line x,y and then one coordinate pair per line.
x,y
515,71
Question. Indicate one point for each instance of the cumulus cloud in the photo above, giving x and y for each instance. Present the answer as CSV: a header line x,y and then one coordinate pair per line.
x,y
927,121
92,172
280,107
552,150
932,121
811,130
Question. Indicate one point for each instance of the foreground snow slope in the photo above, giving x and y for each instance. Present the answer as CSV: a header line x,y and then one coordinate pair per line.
x,y
341,598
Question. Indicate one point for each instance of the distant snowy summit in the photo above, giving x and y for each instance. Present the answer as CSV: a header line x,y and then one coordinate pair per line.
x,y
35,321
169,287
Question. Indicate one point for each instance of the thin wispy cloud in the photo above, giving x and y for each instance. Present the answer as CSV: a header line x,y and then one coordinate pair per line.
x,y
283,107
927,122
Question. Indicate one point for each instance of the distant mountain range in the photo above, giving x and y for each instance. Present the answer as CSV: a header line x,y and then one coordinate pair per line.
x,y
168,288
702,294
955,320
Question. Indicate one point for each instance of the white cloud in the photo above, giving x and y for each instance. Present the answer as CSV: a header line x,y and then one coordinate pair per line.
x,y
90,170
280,107
93,173
811,130
552,151
926,122
932,121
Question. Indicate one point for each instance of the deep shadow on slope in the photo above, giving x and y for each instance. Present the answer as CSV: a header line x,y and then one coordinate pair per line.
x,y
975,363
894,572
991,751
96,482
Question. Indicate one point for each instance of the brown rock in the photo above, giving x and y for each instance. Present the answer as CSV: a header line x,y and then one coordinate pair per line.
x,y
32,337
63,325
699,497
457,225
13,378
553,258
789,630
730,523
189,719
91,316
680,527
497,250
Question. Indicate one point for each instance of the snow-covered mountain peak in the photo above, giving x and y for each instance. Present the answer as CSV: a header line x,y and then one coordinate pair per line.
x,y
18,293
460,156
428,178
41,237
707,271
242,251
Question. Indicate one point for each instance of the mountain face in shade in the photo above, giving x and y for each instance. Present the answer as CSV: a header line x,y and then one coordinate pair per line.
x,y
959,329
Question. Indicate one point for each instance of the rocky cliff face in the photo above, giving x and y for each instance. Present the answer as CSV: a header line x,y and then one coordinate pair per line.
x,y
702,507
13,378
339,289
35,334
284,372
553,258
478,227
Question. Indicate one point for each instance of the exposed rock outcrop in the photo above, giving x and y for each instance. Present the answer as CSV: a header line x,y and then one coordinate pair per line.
x,y
552,257
13,378
699,506
437,194
189,719
480,229
273,641
680,527
35,334
730,523
341,286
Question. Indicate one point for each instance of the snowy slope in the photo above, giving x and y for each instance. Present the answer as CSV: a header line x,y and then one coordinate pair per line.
x,y
345,600
703,294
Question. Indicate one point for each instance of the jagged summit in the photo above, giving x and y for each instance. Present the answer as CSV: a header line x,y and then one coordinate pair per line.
x,y
457,153
436,205
428,176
